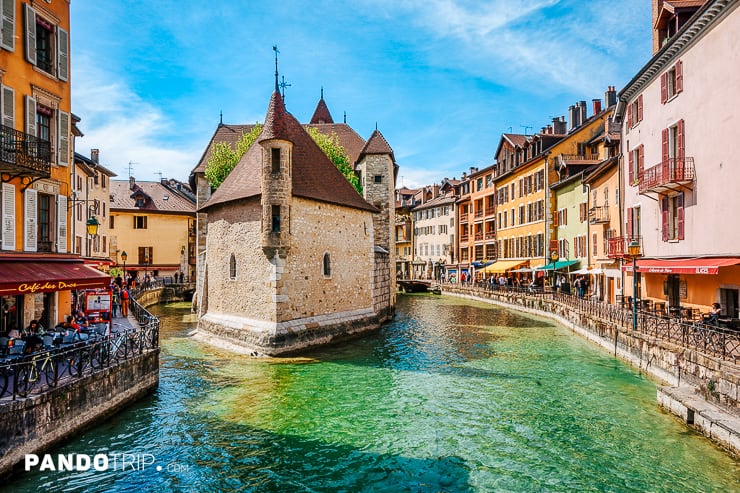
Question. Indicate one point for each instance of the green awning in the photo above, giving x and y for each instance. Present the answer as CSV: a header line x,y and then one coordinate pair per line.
x,y
557,265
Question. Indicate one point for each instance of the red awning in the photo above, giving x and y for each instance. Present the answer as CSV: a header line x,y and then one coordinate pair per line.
x,y
683,266
38,276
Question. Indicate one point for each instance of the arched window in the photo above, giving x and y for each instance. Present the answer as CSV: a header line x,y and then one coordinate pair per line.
x,y
232,267
327,265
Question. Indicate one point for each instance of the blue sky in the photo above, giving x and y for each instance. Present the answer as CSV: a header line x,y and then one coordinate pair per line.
x,y
441,78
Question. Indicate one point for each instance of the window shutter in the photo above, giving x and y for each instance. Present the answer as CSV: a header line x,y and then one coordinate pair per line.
x,y
8,106
61,224
631,167
63,54
640,161
679,76
630,233
629,116
30,34
663,88
555,218
639,108
7,40
63,154
30,211
30,116
681,143
565,217
664,217
680,214
8,215
664,147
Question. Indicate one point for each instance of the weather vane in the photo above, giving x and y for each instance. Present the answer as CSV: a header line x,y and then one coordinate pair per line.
x,y
275,49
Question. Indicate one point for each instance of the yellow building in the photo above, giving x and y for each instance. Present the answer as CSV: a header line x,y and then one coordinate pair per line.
x,y
91,201
522,177
37,273
154,223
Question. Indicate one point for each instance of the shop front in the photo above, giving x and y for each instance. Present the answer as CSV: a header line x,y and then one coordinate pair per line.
x,y
42,289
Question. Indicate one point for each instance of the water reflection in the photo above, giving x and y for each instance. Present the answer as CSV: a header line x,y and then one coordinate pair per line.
x,y
452,396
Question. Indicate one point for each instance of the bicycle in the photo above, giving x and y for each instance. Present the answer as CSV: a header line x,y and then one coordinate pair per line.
x,y
30,372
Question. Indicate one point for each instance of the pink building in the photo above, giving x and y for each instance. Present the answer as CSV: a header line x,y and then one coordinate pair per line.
x,y
679,166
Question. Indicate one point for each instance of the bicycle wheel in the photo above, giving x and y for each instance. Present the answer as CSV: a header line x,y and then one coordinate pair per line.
x,y
99,355
78,360
4,377
49,372
25,378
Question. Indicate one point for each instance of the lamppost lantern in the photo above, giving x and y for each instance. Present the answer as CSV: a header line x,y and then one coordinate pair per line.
x,y
124,257
554,256
92,226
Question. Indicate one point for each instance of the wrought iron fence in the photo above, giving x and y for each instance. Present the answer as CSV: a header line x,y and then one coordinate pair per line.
x,y
43,370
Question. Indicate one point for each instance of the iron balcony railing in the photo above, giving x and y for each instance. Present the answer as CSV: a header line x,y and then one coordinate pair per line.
x,y
575,158
669,174
490,235
597,215
618,247
24,153
490,211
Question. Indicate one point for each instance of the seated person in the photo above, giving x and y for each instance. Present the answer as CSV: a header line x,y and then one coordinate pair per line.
x,y
32,336
14,334
714,313
81,322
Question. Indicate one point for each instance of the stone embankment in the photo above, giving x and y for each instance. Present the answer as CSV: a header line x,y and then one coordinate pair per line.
x,y
702,389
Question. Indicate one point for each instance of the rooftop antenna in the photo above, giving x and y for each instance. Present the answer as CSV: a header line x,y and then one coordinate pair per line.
x,y
525,127
511,129
283,85
277,85
131,168
160,175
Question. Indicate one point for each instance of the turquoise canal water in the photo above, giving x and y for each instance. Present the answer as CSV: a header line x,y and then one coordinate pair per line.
x,y
452,396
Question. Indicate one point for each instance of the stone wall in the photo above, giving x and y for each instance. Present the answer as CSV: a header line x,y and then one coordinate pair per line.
x,y
39,422
384,299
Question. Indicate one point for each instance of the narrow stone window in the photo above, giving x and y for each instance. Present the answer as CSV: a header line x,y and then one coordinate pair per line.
x,y
327,265
275,218
232,267
276,160
378,178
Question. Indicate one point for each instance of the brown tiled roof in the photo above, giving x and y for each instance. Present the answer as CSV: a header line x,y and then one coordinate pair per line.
x,y
377,144
348,138
229,134
516,139
314,175
122,197
321,114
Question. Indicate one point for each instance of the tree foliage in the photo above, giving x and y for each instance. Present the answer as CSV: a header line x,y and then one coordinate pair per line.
x,y
224,158
337,155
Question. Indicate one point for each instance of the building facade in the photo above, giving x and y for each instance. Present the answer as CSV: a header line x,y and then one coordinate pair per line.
x,y
434,231
153,222
678,115
38,273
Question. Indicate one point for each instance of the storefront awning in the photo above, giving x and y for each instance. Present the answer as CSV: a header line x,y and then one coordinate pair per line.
x,y
501,266
683,266
38,276
557,265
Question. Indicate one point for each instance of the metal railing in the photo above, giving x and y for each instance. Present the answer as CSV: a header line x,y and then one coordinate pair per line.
x,y
670,171
24,151
599,214
44,370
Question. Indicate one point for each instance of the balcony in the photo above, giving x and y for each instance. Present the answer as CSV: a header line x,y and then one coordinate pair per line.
x,y
478,236
598,215
579,159
490,211
617,246
478,213
672,174
490,235
24,154
463,218
464,238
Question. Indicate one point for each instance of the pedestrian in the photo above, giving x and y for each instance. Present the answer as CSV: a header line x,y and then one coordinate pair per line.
x,y
116,300
124,302
714,312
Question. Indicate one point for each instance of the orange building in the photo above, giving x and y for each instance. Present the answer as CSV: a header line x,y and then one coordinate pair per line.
x,y
37,273
479,210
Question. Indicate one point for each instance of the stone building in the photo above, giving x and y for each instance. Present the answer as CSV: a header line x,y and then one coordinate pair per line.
x,y
292,255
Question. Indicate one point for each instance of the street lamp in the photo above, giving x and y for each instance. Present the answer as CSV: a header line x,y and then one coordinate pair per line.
x,y
634,251
124,257
92,226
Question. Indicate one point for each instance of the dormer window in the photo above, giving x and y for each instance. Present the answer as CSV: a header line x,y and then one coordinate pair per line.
x,y
140,201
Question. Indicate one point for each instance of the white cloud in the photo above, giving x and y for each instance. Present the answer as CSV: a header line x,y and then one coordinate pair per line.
x,y
126,128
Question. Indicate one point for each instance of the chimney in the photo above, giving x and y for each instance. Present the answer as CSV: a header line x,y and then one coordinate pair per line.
x,y
464,176
473,170
610,98
584,113
131,182
95,155
597,106
572,117
558,126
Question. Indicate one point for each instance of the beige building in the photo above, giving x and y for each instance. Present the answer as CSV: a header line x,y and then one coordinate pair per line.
x,y
153,222
293,256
